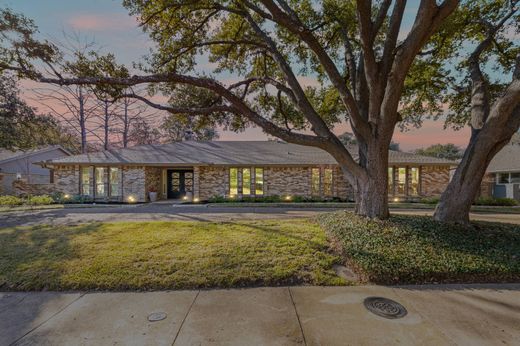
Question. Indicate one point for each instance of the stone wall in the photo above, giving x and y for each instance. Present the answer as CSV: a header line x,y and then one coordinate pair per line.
x,y
23,188
153,178
212,181
134,182
66,179
293,181
434,180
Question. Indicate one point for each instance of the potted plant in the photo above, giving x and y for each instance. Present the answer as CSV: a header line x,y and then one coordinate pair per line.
x,y
152,193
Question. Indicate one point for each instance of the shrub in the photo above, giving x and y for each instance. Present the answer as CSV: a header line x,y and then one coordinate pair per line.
x,y
505,202
40,200
430,200
10,200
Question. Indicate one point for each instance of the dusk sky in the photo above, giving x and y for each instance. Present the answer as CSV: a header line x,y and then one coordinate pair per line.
x,y
108,23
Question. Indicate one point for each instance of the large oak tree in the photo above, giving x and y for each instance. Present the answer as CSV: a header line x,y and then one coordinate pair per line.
x,y
356,50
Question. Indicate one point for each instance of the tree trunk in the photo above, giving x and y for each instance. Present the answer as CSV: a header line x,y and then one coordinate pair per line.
x,y
82,124
125,125
106,146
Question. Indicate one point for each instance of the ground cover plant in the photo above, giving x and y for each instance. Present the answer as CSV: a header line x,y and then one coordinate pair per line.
x,y
417,249
166,255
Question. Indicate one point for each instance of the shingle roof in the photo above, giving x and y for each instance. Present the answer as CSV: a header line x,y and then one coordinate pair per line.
x,y
8,155
507,159
227,153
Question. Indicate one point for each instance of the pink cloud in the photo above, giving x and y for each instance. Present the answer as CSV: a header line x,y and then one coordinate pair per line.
x,y
100,22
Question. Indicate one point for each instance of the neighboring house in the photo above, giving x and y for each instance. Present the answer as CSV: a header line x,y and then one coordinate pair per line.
x,y
201,170
23,165
503,174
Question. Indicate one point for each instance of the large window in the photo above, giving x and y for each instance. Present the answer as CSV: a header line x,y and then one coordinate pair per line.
x,y
114,182
515,178
259,181
508,178
233,181
85,181
327,182
315,181
401,181
391,180
413,184
246,181
100,182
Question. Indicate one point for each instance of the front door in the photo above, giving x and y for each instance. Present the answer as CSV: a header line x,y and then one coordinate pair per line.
x,y
180,182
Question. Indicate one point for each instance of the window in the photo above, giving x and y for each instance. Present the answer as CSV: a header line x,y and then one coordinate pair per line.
x,y
85,181
259,181
327,182
114,182
401,181
413,184
100,182
246,181
315,181
503,178
233,181
515,178
391,180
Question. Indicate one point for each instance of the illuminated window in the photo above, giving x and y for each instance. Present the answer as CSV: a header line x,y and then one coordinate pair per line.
x,y
327,182
391,180
85,181
259,181
246,181
114,182
401,181
233,181
413,184
100,182
315,181
515,178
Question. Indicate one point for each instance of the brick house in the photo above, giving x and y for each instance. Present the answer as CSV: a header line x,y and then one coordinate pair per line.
x,y
502,177
201,170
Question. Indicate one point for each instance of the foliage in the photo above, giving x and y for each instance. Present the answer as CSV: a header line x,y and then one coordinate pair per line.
x,y
178,128
272,199
348,139
416,249
119,256
430,200
505,202
10,200
143,133
443,151
39,200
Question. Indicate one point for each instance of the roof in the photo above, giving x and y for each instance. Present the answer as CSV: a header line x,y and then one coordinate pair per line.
x,y
227,153
10,155
506,160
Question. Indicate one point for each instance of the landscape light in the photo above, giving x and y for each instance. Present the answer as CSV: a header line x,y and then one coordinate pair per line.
x,y
195,200
66,196
288,198
396,199
185,198
131,199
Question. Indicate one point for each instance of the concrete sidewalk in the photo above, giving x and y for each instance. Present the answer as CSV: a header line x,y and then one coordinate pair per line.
x,y
437,315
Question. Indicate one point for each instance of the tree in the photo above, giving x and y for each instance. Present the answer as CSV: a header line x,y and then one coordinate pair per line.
x,y
142,133
348,139
178,127
352,49
444,151
490,106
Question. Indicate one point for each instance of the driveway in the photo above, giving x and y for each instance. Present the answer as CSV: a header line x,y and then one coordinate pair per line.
x,y
169,212
436,315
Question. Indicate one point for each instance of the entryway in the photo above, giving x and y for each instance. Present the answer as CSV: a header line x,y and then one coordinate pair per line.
x,y
179,183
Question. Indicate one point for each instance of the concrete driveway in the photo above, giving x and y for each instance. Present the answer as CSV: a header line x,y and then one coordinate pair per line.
x,y
169,212
437,315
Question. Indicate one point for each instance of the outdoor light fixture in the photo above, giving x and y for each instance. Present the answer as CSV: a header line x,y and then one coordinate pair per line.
x,y
396,199
185,198
66,196
288,198
131,199
195,200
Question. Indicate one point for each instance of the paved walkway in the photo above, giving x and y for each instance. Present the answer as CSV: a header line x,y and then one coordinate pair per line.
x,y
168,212
442,315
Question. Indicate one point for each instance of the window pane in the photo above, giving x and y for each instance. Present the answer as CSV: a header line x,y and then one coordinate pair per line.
x,y
503,178
85,181
100,182
390,180
246,181
414,181
259,181
233,181
114,182
401,181
515,178
315,181
327,182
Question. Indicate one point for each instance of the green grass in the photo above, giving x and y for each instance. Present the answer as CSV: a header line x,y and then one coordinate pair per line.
x,y
165,255
416,249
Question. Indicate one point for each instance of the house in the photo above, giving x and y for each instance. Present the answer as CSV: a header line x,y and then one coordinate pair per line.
x,y
502,177
202,170
22,165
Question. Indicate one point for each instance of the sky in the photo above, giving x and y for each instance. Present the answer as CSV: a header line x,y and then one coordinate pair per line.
x,y
107,23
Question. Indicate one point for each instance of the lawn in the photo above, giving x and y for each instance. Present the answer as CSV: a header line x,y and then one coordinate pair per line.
x,y
165,255
416,249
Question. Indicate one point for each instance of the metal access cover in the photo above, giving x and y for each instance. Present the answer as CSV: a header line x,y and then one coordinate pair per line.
x,y
157,316
385,307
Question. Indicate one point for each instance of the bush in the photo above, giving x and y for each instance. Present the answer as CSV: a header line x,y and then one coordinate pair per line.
x,y
273,199
430,200
417,249
10,200
39,200
505,202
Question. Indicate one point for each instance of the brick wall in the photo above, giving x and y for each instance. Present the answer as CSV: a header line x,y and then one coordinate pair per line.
x,y
486,187
293,181
134,180
434,180
212,181
66,179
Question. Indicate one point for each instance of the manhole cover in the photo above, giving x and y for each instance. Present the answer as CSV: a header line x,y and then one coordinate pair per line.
x,y
157,316
385,307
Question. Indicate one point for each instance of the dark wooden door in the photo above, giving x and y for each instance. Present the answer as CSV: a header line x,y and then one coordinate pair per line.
x,y
180,182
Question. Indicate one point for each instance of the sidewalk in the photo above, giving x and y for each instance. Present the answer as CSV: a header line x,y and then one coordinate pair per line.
x,y
437,315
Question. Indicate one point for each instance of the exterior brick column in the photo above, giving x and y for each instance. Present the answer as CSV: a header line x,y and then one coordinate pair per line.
x,y
196,182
